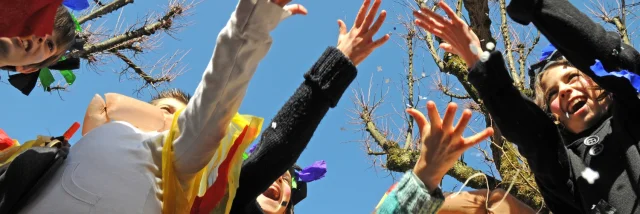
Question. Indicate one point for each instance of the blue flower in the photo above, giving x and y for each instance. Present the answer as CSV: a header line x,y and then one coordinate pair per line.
x,y
76,5
547,51
599,70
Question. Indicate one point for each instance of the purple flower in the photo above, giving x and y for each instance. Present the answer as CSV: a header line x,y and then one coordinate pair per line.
x,y
314,172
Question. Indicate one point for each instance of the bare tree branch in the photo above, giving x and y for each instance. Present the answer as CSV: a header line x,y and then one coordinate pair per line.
x,y
409,132
98,2
618,20
164,22
504,30
104,9
147,78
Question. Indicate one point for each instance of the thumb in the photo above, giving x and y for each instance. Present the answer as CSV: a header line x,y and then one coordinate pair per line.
x,y
420,119
296,9
342,27
477,138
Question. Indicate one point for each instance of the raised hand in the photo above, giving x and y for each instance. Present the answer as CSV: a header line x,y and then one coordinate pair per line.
x,y
442,143
358,43
458,36
294,9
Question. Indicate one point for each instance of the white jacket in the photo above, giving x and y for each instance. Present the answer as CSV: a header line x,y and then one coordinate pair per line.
x,y
116,168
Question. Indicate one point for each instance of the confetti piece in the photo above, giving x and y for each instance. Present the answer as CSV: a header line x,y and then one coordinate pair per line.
x,y
490,46
409,106
386,80
590,175
485,56
273,125
424,74
379,68
474,49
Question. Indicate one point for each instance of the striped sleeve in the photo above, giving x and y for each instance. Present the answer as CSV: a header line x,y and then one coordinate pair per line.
x,y
410,196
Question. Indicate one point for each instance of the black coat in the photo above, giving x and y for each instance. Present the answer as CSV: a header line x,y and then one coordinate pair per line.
x,y
556,157
296,122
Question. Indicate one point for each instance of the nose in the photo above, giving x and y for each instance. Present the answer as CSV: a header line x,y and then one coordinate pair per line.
x,y
40,40
564,90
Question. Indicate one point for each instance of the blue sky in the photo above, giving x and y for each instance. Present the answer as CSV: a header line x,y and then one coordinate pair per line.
x,y
353,183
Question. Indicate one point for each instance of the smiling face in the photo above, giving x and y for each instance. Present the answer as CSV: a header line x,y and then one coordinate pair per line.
x,y
277,197
21,52
572,97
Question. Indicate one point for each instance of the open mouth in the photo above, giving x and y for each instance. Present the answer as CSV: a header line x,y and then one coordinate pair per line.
x,y
272,193
576,104
25,44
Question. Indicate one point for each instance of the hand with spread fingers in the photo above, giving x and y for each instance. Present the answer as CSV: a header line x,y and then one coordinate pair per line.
x,y
458,36
358,43
294,9
442,143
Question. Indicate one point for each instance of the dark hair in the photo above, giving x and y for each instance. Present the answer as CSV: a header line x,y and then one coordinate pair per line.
x,y
298,194
65,29
173,94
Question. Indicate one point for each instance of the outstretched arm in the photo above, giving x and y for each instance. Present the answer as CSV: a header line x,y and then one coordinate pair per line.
x,y
518,118
580,40
441,145
298,119
240,46
523,123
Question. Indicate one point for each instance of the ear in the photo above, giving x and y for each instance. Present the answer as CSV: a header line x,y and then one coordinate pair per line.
x,y
25,70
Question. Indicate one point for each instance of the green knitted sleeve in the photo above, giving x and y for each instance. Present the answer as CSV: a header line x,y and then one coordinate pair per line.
x,y
411,196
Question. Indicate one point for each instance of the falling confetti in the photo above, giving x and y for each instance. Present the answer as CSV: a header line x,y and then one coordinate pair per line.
x,y
424,74
484,56
386,80
379,68
409,106
474,49
490,46
590,175
422,98
273,125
